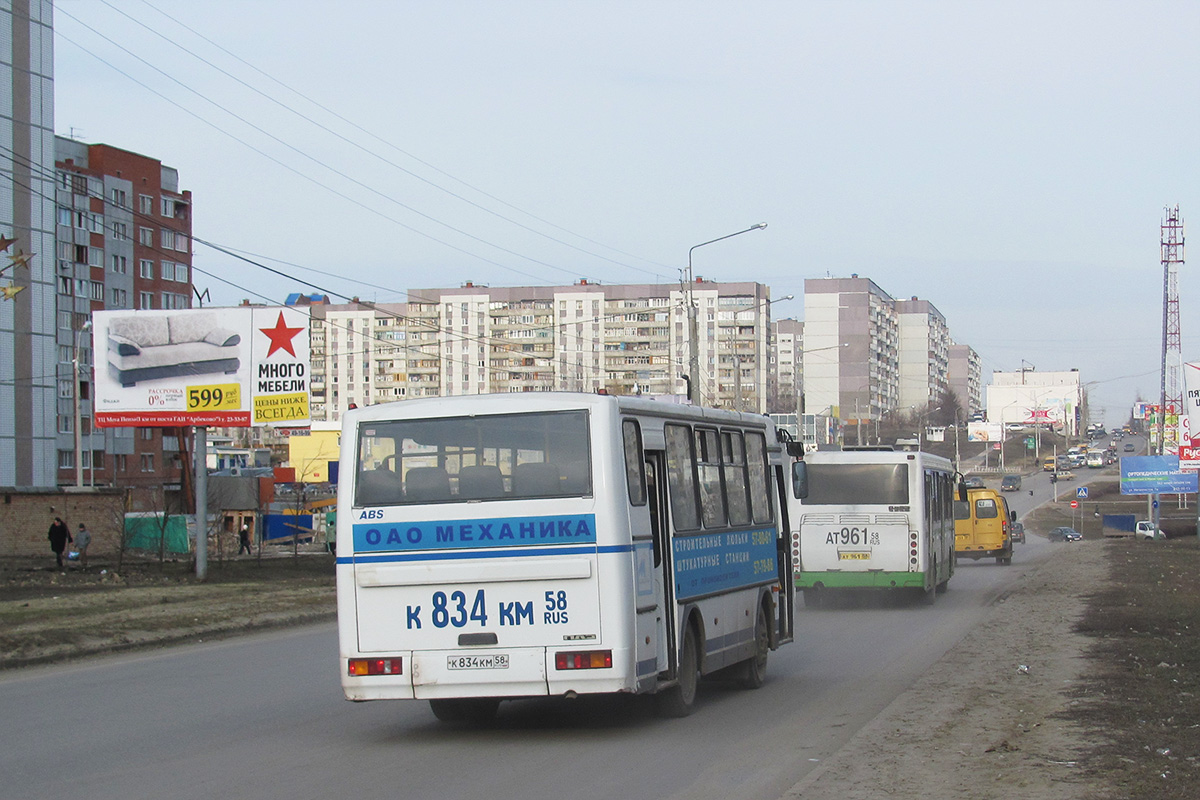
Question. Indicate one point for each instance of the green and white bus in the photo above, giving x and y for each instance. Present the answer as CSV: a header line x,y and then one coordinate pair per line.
x,y
873,518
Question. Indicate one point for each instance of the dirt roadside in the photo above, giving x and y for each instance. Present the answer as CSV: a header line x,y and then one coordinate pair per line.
x,y
990,719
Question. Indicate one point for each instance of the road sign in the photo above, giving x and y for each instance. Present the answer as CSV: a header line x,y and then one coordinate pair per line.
x,y
1074,504
1081,493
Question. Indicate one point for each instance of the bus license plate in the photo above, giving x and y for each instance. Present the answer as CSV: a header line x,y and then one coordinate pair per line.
x,y
854,556
494,661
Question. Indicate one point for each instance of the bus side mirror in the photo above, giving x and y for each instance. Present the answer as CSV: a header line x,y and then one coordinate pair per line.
x,y
1012,516
800,480
794,449
962,492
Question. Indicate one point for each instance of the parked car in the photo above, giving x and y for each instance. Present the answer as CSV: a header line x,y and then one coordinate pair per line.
x,y
973,482
1018,533
1010,483
1064,534
1145,530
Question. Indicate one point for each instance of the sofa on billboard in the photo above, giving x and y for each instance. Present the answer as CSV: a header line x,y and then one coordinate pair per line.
x,y
143,348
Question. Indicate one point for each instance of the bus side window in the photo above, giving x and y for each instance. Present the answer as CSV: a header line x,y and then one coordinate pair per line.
x,y
756,464
681,478
656,526
635,477
712,492
733,459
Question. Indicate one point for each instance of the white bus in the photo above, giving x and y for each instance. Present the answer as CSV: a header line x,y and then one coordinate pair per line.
x,y
557,544
873,518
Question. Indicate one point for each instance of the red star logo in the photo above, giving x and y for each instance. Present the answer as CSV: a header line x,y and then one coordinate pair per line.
x,y
281,337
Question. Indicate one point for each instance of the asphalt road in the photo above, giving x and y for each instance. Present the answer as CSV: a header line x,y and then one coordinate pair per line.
x,y
263,717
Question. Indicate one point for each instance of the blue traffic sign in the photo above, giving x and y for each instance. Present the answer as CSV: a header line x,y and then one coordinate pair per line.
x,y
1081,493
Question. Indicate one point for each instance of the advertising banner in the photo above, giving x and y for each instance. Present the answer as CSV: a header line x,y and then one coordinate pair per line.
x,y
1155,475
227,367
984,432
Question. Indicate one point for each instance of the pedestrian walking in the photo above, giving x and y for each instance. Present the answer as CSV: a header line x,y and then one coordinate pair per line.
x,y
59,535
83,538
244,539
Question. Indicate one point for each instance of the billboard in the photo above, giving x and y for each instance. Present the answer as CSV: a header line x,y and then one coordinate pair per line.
x,y
1155,475
985,432
228,367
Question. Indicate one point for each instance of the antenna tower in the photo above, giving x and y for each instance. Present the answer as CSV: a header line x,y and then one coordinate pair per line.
x,y
1171,400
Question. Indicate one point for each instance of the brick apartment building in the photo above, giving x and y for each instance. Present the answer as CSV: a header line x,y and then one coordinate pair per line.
x,y
124,234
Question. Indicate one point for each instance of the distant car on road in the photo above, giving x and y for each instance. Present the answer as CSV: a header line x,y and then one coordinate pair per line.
x,y
1064,534
1010,483
1065,475
1145,530
973,482
1128,448
1018,533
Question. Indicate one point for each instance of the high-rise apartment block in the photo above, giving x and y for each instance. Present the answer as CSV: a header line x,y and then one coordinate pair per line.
x,y
851,349
124,234
787,375
924,355
27,264
624,339
965,377
867,355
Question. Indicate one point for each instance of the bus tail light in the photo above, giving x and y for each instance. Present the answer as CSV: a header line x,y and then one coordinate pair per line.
x,y
375,666
590,659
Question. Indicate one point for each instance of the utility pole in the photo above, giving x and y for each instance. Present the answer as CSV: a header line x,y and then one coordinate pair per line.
x,y
689,293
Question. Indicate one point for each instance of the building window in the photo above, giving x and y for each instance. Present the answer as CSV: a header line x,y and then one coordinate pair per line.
x,y
119,298
66,459
181,242
95,257
181,272
66,423
167,236
146,236
145,300
145,204
118,198
147,462
146,269
168,207
120,231
97,290
120,265
120,462
168,271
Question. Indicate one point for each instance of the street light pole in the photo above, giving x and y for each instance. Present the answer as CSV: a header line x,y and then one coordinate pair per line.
x,y
694,394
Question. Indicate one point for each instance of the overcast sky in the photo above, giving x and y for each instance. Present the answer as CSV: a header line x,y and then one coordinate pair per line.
x,y
1008,161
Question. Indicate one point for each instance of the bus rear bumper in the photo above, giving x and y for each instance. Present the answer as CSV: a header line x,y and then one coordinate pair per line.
x,y
523,672
860,580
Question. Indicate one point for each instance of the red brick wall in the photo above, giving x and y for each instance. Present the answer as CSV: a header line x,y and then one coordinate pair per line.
x,y
26,516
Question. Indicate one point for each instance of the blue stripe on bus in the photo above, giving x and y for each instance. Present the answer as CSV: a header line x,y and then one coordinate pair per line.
x,y
454,556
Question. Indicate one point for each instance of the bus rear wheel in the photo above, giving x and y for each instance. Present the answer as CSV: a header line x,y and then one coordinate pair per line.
x,y
680,699
467,709
755,668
